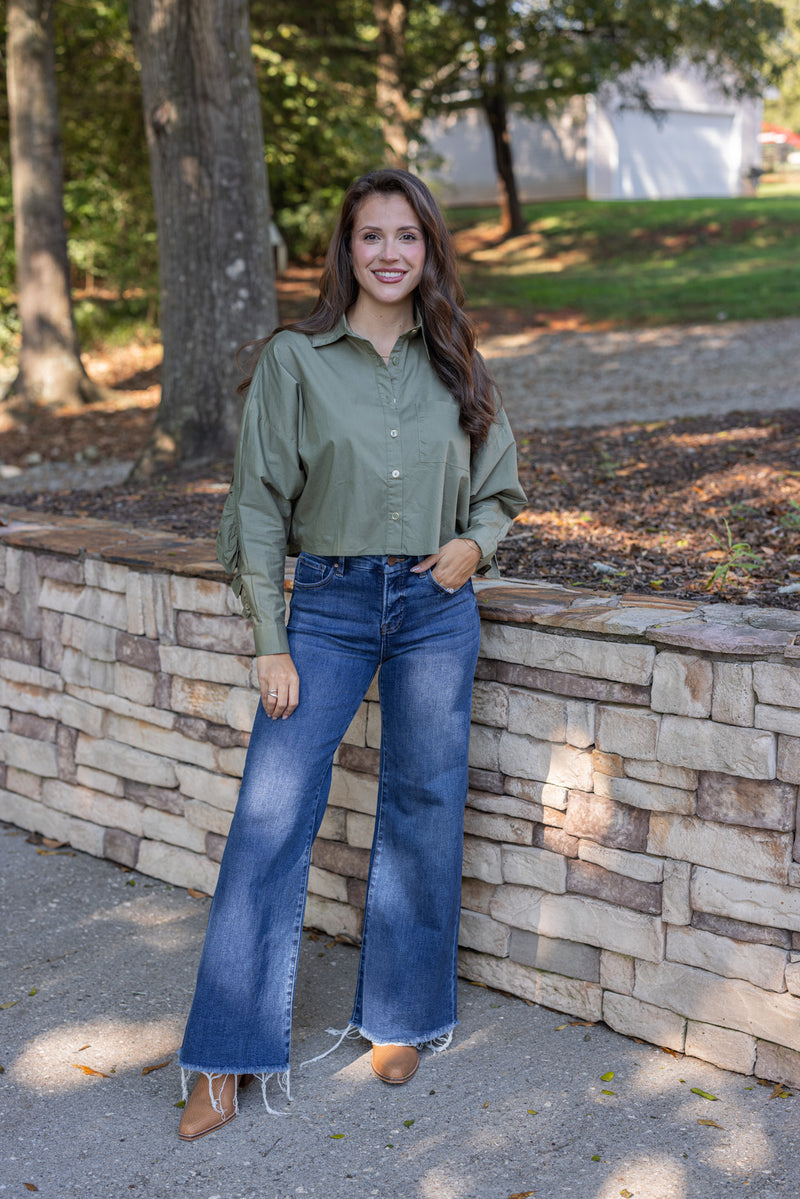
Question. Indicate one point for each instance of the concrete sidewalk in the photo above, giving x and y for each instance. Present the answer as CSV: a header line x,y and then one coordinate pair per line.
x,y
99,966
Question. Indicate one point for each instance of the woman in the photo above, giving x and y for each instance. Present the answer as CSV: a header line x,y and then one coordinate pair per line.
x,y
370,444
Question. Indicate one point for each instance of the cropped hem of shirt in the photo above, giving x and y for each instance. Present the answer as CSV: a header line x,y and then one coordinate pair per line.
x,y
342,453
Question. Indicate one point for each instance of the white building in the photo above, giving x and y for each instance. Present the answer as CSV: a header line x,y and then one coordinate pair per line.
x,y
700,143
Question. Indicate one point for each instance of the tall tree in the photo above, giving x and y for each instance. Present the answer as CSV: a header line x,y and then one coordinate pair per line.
x,y
217,287
391,18
525,55
50,367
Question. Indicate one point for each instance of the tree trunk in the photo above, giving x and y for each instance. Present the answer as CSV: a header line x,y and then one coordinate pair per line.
x,y
390,17
496,109
217,285
50,367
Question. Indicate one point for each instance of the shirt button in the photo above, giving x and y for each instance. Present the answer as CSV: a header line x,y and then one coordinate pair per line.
x,y
395,360
395,516
395,474
393,432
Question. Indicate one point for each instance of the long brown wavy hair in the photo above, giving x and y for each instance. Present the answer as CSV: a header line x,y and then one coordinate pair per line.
x,y
449,334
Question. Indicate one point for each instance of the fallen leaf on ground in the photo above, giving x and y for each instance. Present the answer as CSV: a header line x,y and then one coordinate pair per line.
x,y
83,1047
522,1195
671,1052
160,1066
30,1187
780,1092
336,1136
11,1003
532,1112
59,853
609,1074
408,1123
711,1124
596,1157
626,1194
560,1027
195,894
52,843
89,1070
584,1023
703,1094
608,1092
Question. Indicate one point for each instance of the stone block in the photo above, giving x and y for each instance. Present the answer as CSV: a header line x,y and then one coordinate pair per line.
x,y
616,972
476,895
740,930
120,847
327,885
12,569
733,701
357,731
90,638
77,714
508,805
585,878
651,1023
357,893
571,995
707,745
555,840
536,792
26,813
759,964
109,576
779,720
728,1002
676,907
557,683
336,919
81,671
52,649
66,744
215,846
777,1063
200,595
115,758
484,747
483,934
721,1046
93,806
777,685
98,780
30,676
219,634
631,865
757,803
35,727
354,791
498,828
21,649
167,743
86,837
174,830
537,714
585,656
201,664
341,859
50,566
754,902
23,783
105,607
630,732
532,867
606,822
373,726
134,684
482,860
559,765
358,829
504,642
231,761
682,684
750,852
554,955
201,816
649,796
789,759
576,918
198,698
26,753
178,866
138,651
218,790
792,977
490,704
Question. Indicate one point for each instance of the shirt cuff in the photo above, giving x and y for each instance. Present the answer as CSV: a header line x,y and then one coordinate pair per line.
x,y
270,638
484,543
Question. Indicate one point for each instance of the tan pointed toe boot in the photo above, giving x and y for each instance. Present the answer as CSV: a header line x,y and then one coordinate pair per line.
x,y
200,1116
394,1064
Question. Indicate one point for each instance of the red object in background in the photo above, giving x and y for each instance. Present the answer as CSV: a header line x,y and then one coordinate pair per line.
x,y
776,135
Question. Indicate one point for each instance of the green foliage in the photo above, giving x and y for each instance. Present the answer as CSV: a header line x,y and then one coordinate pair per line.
x,y
783,107
738,556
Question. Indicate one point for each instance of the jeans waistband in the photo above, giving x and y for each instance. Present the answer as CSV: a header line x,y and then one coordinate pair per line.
x,y
369,562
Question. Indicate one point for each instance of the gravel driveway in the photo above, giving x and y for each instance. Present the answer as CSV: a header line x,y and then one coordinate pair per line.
x,y
600,378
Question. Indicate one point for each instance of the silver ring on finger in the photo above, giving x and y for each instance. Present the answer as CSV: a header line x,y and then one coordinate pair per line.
x,y
275,693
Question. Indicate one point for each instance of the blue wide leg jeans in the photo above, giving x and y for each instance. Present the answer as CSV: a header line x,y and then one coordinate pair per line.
x,y
349,616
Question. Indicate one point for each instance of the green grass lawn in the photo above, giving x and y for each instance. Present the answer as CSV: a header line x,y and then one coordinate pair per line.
x,y
640,262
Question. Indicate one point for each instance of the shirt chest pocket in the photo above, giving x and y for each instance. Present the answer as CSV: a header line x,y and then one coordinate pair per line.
x,y
441,438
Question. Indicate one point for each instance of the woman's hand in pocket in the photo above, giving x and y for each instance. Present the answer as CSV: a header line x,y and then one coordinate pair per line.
x,y
455,562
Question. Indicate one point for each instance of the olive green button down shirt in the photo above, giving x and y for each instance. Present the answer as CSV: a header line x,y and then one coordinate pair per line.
x,y
340,453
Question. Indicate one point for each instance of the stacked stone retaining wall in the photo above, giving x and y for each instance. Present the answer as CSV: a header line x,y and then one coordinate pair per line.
x,y
631,849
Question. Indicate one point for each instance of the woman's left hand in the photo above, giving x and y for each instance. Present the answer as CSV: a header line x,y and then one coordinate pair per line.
x,y
455,562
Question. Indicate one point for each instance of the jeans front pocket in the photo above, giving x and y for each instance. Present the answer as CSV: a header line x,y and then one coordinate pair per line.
x,y
448,591
312,572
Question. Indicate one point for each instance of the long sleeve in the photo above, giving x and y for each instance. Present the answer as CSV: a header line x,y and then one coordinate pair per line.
x,y
267,480
496,496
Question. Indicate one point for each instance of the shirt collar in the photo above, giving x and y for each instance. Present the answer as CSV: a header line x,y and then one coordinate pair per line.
x,y
342,329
